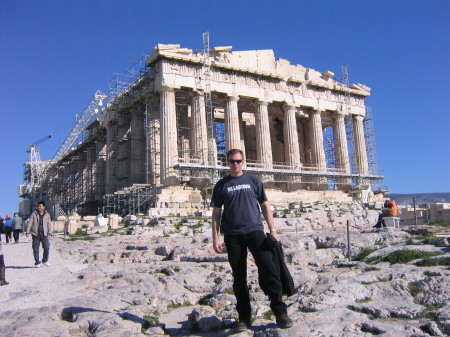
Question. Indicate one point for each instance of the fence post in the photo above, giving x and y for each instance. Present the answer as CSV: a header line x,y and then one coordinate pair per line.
x,y
349,255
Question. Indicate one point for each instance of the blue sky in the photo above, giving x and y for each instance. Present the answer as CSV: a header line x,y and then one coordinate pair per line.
x,y
54,55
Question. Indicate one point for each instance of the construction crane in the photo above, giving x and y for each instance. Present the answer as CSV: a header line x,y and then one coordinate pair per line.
x,y
33,174
35,163
37,172
81,124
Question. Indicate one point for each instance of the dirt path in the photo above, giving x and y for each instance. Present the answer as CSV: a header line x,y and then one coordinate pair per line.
x,y
31,287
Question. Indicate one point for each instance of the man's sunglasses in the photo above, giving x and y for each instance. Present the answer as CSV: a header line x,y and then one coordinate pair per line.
x,y
232,161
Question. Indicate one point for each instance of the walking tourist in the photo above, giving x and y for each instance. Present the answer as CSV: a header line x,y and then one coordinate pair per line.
x,y
8,228
17,227
40,227
2,227
2,267
241,196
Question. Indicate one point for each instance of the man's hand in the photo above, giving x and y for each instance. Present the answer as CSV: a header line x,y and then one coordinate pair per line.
x,y
275,236
217,246
26,234
49,234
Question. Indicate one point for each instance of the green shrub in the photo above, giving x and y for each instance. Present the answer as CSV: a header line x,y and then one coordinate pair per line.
x,y
363,254
414,289
321,245
371,269
268,315
406,255
432,239
430,262
431,273
440,223
365,300
410,242
151,320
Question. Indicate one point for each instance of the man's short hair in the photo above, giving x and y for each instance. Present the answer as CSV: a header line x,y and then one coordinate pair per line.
x,y
233,152
41,203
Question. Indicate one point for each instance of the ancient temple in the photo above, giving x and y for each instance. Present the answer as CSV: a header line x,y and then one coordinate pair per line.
x,y
161,140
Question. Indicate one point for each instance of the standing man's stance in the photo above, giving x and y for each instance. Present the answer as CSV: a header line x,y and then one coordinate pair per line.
x,y
241,195
40,227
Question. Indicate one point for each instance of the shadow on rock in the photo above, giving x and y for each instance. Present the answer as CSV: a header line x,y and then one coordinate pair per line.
x,y
70,314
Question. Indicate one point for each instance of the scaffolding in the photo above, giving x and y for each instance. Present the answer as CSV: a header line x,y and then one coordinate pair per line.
x,y
210,120
369,134
124,91
348,121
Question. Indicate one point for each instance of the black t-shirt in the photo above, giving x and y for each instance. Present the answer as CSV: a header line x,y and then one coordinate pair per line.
x,y
240,197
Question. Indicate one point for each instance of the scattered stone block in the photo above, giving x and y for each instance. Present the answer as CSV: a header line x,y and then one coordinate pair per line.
x,y
100,221
113,221
71,226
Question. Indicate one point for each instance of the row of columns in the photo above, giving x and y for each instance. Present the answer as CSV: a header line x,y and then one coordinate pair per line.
x,y
234,139
169,142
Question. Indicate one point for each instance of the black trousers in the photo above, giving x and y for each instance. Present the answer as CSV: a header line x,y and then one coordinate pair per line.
x,y
380,222
16,235
37,240
8,231
237,246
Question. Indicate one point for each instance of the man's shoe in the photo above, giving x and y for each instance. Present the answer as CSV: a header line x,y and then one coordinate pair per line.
x,y
37,265
242,326
47,263
284,321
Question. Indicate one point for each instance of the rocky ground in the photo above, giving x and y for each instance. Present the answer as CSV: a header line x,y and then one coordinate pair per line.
x,y
166,280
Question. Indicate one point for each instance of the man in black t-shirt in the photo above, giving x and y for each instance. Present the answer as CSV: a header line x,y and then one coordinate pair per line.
x,y
242,195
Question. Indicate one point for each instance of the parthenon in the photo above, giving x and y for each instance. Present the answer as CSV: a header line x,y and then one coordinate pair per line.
x,y
161,140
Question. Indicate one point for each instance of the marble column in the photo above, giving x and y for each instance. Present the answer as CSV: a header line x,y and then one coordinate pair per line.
x,y
137,148
263,143
123,151
317,149
169,139
111,157
100,150
302,139
199,127
341,149
153,141
291,148
232,133
359,144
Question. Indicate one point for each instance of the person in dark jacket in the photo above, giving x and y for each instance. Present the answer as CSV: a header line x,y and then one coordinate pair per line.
x,y
3,281
17,227
8,228
242,197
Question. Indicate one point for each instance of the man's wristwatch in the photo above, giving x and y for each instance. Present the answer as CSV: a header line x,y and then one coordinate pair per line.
x,y
273,230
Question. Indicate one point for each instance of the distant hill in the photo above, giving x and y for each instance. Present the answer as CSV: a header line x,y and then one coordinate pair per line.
x,y
421,198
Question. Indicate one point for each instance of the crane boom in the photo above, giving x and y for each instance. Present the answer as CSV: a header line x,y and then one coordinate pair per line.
x,y
82,122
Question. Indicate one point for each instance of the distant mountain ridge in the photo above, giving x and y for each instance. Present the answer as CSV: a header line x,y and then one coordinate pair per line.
x,y
421,198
